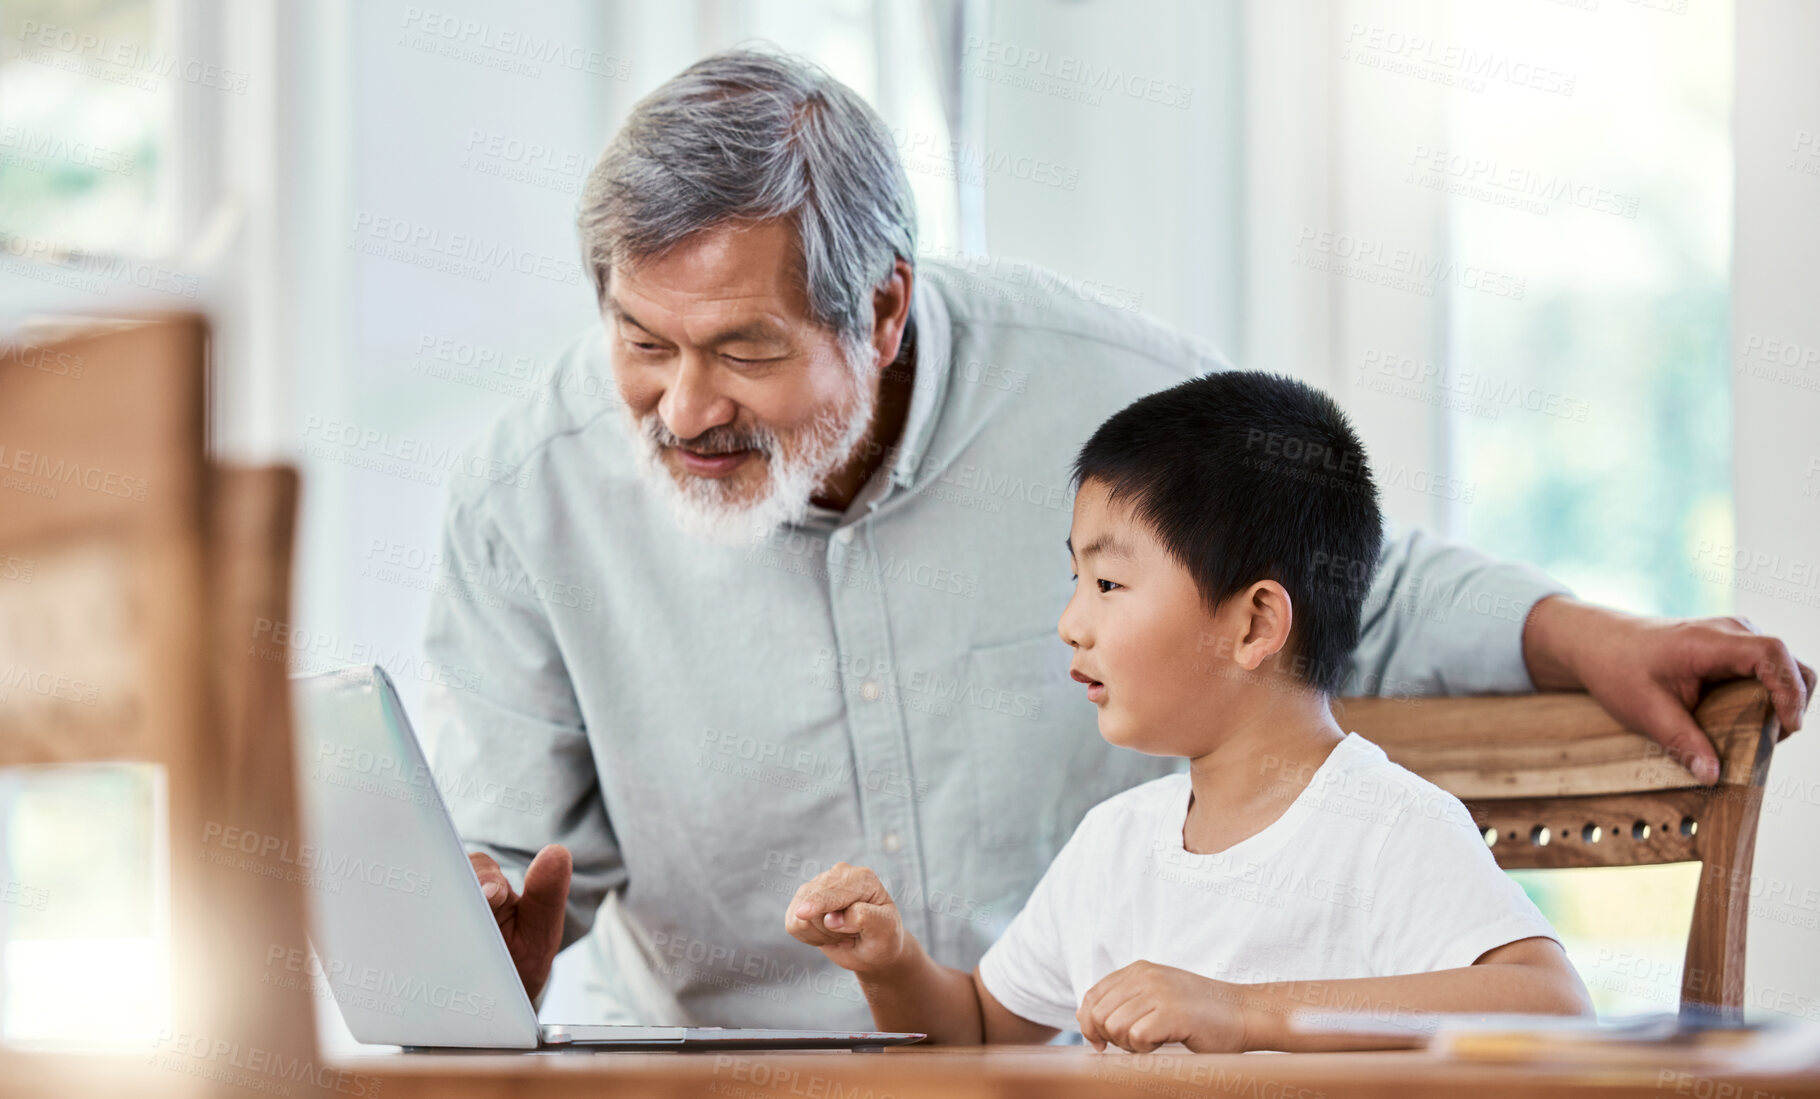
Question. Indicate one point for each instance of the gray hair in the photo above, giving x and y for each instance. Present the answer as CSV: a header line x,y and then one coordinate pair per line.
x,y
749,134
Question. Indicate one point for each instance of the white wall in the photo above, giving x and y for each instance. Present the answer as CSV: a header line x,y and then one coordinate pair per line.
x,y
447,138
1319,139
1776,471
1144,193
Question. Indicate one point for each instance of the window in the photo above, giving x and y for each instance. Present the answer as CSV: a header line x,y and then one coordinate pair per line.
x,y
1597,430
1591,414
86,946
84,98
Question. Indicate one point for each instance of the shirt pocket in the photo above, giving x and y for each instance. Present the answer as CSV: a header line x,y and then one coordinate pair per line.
x,y
1022,741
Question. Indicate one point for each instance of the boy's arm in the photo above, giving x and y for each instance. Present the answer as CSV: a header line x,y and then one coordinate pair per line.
x,y
952,1007
1529,976
1005,1027
1144,1006
846,911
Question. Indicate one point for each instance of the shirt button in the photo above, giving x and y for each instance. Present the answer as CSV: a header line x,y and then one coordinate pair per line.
x,y
869,690
892,841
843,535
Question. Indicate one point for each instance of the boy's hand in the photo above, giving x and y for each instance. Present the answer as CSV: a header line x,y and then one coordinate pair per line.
x,y
1145,1005
846,911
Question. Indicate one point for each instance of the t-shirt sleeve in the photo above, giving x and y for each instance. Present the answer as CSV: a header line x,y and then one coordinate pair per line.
x,y
1440,898
1026,969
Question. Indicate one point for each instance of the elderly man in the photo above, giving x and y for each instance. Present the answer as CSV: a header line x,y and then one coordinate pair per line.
x,y
792,597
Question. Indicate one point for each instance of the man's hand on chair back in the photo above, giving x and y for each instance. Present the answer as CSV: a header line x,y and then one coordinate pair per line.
x,y
529,922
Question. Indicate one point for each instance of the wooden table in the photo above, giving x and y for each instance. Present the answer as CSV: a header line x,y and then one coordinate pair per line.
x,y
1043,1072
910,1073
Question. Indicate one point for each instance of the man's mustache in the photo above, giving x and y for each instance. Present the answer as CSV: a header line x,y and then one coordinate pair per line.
x,y
724,439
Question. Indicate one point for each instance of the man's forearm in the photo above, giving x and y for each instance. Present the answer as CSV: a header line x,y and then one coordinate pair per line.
x,y
1526,989
1552,634
921,994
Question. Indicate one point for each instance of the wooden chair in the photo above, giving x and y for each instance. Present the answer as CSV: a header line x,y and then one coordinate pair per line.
x,y
147,572
1554,781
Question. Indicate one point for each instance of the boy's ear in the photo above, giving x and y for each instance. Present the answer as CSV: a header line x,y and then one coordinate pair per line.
x,y
1267,607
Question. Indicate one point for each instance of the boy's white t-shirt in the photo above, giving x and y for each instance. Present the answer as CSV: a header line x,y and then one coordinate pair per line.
x,y
1372,871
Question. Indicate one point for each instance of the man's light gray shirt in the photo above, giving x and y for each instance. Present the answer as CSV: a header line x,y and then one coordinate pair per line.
x,y
706,727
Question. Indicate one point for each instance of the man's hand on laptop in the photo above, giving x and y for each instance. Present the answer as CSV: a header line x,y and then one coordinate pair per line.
x,y
530,922
846,911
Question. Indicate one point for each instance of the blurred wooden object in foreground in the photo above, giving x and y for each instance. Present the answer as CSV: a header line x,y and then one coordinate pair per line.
x,y
136,579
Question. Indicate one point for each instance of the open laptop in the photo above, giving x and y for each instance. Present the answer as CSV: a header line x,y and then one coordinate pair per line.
x,y
404,938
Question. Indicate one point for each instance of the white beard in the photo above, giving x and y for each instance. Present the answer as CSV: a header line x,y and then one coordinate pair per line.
x,y
702,506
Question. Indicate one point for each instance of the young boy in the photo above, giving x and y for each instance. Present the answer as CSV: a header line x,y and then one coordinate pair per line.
x,y
1224,534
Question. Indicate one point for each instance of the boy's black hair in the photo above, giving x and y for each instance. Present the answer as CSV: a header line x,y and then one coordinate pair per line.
x,y
1246,476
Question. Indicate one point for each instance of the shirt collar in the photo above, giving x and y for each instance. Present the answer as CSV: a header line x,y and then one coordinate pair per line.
x,y
934,354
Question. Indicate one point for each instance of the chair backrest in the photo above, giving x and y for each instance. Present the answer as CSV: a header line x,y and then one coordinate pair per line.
x,y
1554,781
140,574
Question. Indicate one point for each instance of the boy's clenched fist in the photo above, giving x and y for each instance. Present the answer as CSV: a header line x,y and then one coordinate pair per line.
x,y
846,911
